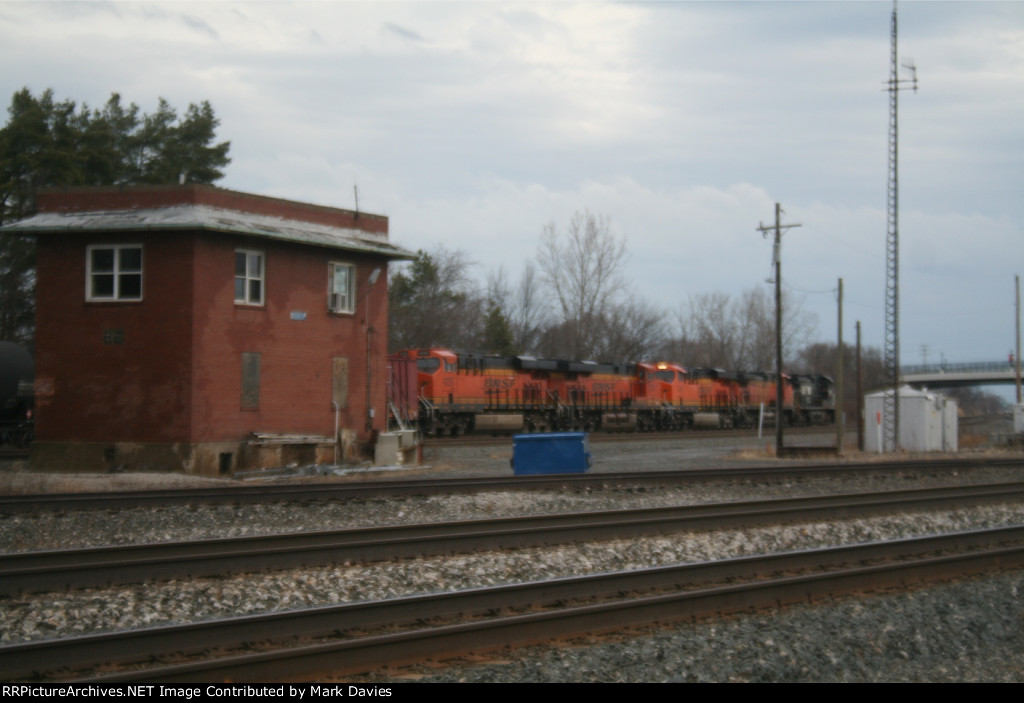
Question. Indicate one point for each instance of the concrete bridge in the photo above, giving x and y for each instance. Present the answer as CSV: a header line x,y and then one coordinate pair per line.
x,y
947,375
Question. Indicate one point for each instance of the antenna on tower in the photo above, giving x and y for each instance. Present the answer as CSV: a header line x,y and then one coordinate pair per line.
x,y
908,64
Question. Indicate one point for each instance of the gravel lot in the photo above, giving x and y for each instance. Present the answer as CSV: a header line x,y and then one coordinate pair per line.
x,y
971,631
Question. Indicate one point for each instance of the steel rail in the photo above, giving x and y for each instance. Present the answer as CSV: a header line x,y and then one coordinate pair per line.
x,y
327,491
612,436
364,652
48,570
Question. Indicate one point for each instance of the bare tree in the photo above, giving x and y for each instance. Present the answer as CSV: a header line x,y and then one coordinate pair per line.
x,y
708,331
523,306
583,272
715,330
528,314
798,325
630,331
754,313
974,401
820,358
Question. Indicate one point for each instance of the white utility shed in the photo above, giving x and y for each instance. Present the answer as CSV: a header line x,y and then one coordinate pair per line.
x,y
928,421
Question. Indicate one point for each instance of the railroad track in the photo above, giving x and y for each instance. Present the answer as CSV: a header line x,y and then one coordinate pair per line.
x,y
370,635
473,440
98,566
306,492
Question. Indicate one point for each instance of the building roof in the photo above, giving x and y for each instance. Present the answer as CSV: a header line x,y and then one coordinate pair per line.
x,y
173,209
905,392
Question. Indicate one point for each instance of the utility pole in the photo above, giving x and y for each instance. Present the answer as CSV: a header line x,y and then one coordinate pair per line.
x,y
860,397
891,400
777,258
840,417
1016,284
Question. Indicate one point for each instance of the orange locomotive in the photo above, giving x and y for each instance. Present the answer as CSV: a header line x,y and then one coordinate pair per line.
x,y
459,393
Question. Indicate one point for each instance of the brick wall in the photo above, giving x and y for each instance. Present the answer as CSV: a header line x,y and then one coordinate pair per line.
x,y
109,370
294,334
173,371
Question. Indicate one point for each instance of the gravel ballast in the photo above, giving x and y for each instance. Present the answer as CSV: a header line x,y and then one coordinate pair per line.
x,y
960,632
89,528
46,615
968,631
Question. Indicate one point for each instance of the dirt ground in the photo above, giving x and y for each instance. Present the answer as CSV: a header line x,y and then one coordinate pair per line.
x,y
703,448
14,482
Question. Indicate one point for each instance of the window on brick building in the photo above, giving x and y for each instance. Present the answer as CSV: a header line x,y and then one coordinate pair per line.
x,y
248,277
341,287
113,272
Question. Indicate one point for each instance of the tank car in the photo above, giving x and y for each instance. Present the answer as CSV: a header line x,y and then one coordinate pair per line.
x,y
17,372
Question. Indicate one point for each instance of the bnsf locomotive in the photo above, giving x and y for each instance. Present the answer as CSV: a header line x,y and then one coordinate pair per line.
x,y
446,393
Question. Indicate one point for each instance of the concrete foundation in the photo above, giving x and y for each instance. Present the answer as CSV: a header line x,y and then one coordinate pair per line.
x,y
205,459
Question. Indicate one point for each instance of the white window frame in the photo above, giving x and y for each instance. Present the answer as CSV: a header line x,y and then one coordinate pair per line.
x,y
117,272
343,302
249,276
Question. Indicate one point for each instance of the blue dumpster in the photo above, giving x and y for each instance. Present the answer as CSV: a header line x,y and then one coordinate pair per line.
x,y
550,453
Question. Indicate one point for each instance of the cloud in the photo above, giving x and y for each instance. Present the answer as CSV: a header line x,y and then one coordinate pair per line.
x,y
200,26
474,124
402,31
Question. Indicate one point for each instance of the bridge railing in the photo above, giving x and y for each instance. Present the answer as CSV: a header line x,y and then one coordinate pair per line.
x,y
971,367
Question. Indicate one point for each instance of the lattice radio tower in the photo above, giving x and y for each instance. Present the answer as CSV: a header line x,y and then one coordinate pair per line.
x,y
891,403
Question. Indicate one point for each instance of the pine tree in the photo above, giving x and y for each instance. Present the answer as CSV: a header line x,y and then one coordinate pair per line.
x,y
498,338
432,303
47,143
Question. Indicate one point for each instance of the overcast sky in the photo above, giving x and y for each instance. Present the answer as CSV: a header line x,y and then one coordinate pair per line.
x,y
474,124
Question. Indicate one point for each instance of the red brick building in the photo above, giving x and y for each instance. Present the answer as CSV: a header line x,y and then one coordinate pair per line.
x,y
174,322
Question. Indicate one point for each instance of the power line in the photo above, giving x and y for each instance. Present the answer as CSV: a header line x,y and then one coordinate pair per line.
x,y
826,291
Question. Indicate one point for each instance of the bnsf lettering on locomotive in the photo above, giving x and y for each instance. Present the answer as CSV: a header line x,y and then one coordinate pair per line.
x,y
603,387
499,382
